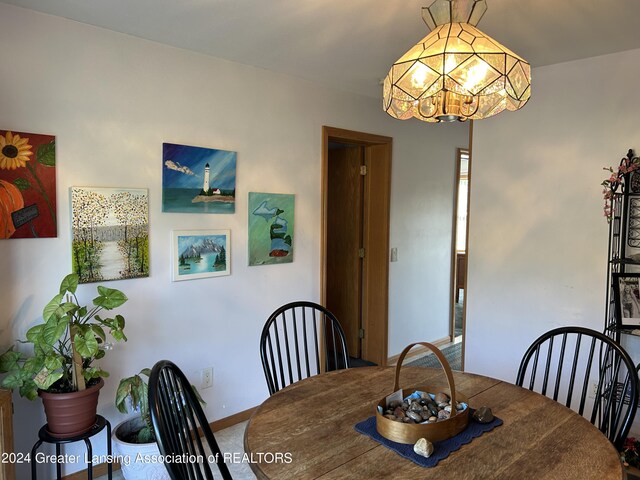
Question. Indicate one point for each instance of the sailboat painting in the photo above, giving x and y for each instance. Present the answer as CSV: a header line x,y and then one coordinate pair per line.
x,y
270,228
200,254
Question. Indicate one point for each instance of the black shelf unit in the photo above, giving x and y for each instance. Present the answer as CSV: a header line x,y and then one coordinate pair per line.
x,y
624,233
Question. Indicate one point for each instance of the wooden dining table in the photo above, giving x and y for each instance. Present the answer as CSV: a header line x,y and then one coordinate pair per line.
x,y
306,431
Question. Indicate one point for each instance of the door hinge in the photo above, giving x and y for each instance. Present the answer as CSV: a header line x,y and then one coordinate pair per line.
x,y
361,252
363,169
361,333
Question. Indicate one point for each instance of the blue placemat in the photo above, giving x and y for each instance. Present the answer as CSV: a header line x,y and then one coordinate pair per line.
x,y
441,450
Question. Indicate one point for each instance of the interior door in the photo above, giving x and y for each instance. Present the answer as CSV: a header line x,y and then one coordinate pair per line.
x,y
356,198
375,267
344,241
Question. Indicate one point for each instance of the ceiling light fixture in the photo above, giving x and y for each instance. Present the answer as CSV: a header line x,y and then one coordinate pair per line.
x,y
456,72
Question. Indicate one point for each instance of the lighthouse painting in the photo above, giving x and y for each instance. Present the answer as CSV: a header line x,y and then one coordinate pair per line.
x,y
198,179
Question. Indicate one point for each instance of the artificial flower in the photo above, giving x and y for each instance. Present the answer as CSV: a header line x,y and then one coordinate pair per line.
x,y
616,179
630,454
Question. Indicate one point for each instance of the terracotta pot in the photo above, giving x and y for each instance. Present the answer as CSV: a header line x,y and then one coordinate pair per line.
x,y
71,414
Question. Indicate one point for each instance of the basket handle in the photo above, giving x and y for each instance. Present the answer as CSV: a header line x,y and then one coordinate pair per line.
x,y
443,362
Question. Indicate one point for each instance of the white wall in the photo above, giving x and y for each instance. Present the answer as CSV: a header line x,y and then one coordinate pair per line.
x,y
111,100
421,228
538,238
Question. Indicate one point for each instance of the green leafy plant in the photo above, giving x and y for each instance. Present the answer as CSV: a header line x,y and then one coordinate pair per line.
x,y
66,344
133,395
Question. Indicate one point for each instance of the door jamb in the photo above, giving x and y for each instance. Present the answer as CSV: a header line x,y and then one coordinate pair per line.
x,y
366,140
453,247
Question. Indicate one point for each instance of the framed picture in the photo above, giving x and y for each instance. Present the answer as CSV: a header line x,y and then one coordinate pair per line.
x,y
110,233
27,185
270,228
197,179
626,291
200,254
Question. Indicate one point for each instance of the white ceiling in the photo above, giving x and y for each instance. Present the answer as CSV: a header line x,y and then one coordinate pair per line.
x,y
350,44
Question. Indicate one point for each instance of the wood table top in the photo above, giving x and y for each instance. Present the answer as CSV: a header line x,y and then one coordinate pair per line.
x,y
313,421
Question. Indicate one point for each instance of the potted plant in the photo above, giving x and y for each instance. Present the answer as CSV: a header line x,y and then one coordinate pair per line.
x,y
61,370
135,435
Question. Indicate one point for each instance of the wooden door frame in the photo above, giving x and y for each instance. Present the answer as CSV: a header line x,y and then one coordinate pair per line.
x,y
376,266
453,246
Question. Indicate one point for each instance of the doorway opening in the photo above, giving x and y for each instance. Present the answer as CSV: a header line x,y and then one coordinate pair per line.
x,y
356,181
460,254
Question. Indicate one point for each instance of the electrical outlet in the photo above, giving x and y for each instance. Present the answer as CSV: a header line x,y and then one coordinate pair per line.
x,y
206,378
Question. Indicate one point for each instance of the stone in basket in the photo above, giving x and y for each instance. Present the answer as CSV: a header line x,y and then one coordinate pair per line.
x,y
411,432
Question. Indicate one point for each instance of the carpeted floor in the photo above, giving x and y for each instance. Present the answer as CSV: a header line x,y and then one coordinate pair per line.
x,y
358,362
458,311
453,354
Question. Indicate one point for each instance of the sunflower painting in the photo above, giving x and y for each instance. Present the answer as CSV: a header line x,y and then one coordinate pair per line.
x,y
27,185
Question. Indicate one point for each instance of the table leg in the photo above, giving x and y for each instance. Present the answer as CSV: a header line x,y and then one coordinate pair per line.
x,y
89,459
109,462
58,465
34,473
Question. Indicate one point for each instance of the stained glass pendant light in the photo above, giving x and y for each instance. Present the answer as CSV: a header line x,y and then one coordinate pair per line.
x,y
456,72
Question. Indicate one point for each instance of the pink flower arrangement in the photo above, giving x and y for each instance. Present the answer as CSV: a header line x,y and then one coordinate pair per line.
x,y
611,184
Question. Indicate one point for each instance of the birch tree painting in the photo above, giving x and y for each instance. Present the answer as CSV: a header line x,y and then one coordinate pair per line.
x,y
110,233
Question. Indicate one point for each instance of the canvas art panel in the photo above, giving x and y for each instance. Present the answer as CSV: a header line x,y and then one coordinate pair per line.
x,y
110,233
270,228
27,185
200,254
627,298
197,179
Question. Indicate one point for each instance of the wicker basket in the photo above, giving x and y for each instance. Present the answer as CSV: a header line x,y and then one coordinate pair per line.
x,y
434,432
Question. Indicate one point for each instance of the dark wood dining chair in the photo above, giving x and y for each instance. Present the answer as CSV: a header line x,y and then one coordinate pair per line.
x,y
294,340
177,419
588,372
